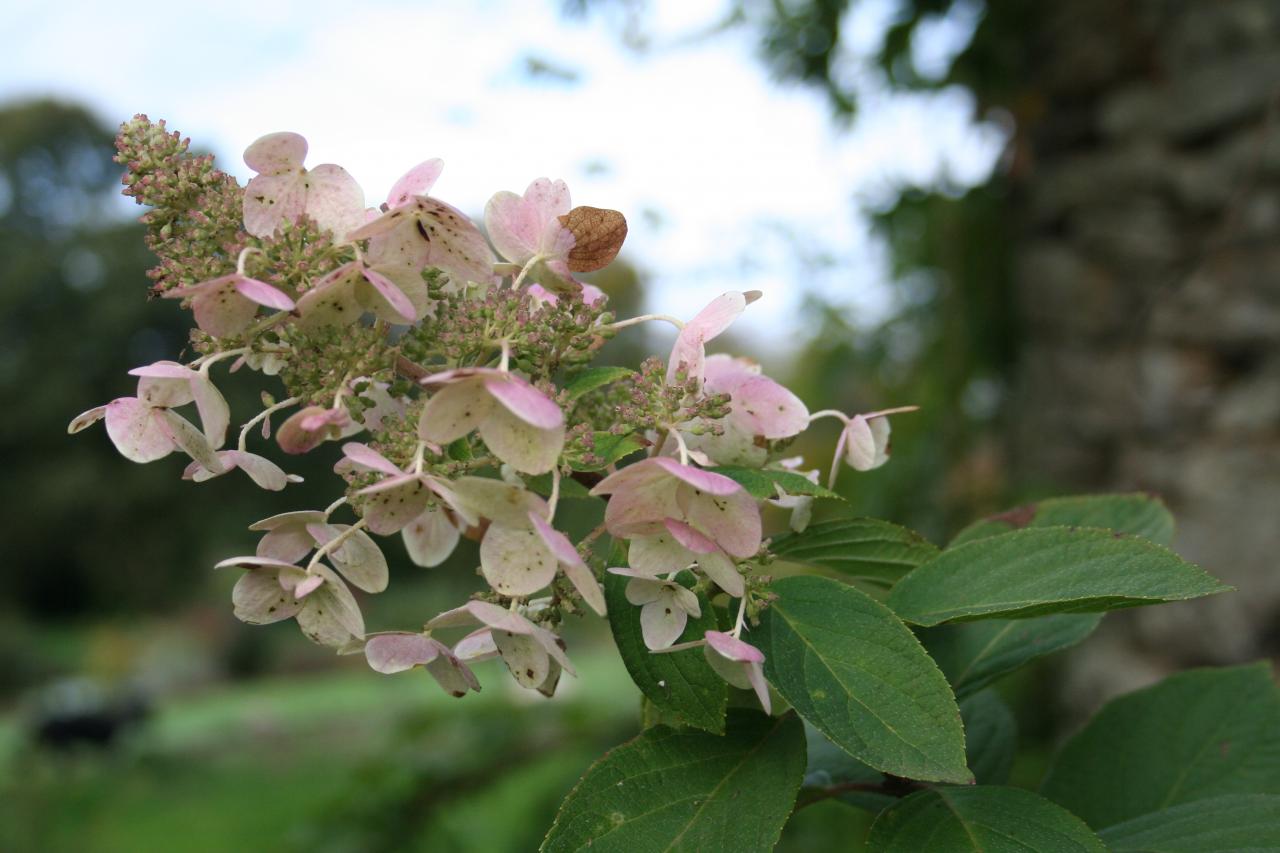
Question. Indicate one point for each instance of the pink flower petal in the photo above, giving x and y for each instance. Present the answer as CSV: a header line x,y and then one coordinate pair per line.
x,y
457,246
270,200
731,521
394,296
417,181
367,457
662,623
307,585
721,570
525,658
731,648
658,554
501,503
454,411
276,152
514,561
258,599
690,344
334,200
705,481
476,646
84,420
215,414
394,502
528,449
263,294
688,537
769,409
524,401
430,538
391,653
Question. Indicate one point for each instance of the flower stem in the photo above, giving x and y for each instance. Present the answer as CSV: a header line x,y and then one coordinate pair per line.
x,y
260,417
644,318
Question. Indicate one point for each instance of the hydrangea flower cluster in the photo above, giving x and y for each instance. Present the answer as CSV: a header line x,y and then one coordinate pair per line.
x,y
451,368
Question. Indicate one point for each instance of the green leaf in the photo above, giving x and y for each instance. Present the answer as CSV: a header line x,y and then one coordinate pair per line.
x,y
1137,514
1242,822
1195,735
990,735
760,482
679,789
569,487
831,769
680,683
1046,570
610,448
593,378
974,654
858,547
849,667
980,819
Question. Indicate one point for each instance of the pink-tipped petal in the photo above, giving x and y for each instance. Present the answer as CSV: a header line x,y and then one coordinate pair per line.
x,y
394,297
690,345
264,294
366,457
276,152
453,676
731,648
704,481
688,537
417,181
524,401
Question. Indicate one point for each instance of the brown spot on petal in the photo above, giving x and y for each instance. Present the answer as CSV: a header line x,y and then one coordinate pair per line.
x,y
598,234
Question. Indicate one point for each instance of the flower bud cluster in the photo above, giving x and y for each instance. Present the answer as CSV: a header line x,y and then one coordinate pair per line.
x,y
452,368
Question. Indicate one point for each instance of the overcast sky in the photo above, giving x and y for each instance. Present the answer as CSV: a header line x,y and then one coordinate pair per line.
x,y
727,179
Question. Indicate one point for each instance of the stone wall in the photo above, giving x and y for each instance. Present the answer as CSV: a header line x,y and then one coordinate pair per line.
x,y
1148,279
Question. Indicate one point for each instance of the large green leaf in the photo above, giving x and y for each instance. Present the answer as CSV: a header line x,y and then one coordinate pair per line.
x,y
680,683
593,378
1195,735
760,482
851,668
1242,822
980,819
1046,570
973,654
991,737
1137,514
679,789
858,547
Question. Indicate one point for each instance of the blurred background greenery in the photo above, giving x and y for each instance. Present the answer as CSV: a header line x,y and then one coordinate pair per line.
x,y
138,715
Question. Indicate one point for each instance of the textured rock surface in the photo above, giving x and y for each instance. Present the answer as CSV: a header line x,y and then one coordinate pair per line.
x,y
1148,279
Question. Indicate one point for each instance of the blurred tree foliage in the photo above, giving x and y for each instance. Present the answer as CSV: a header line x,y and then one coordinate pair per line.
x,y
950,341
